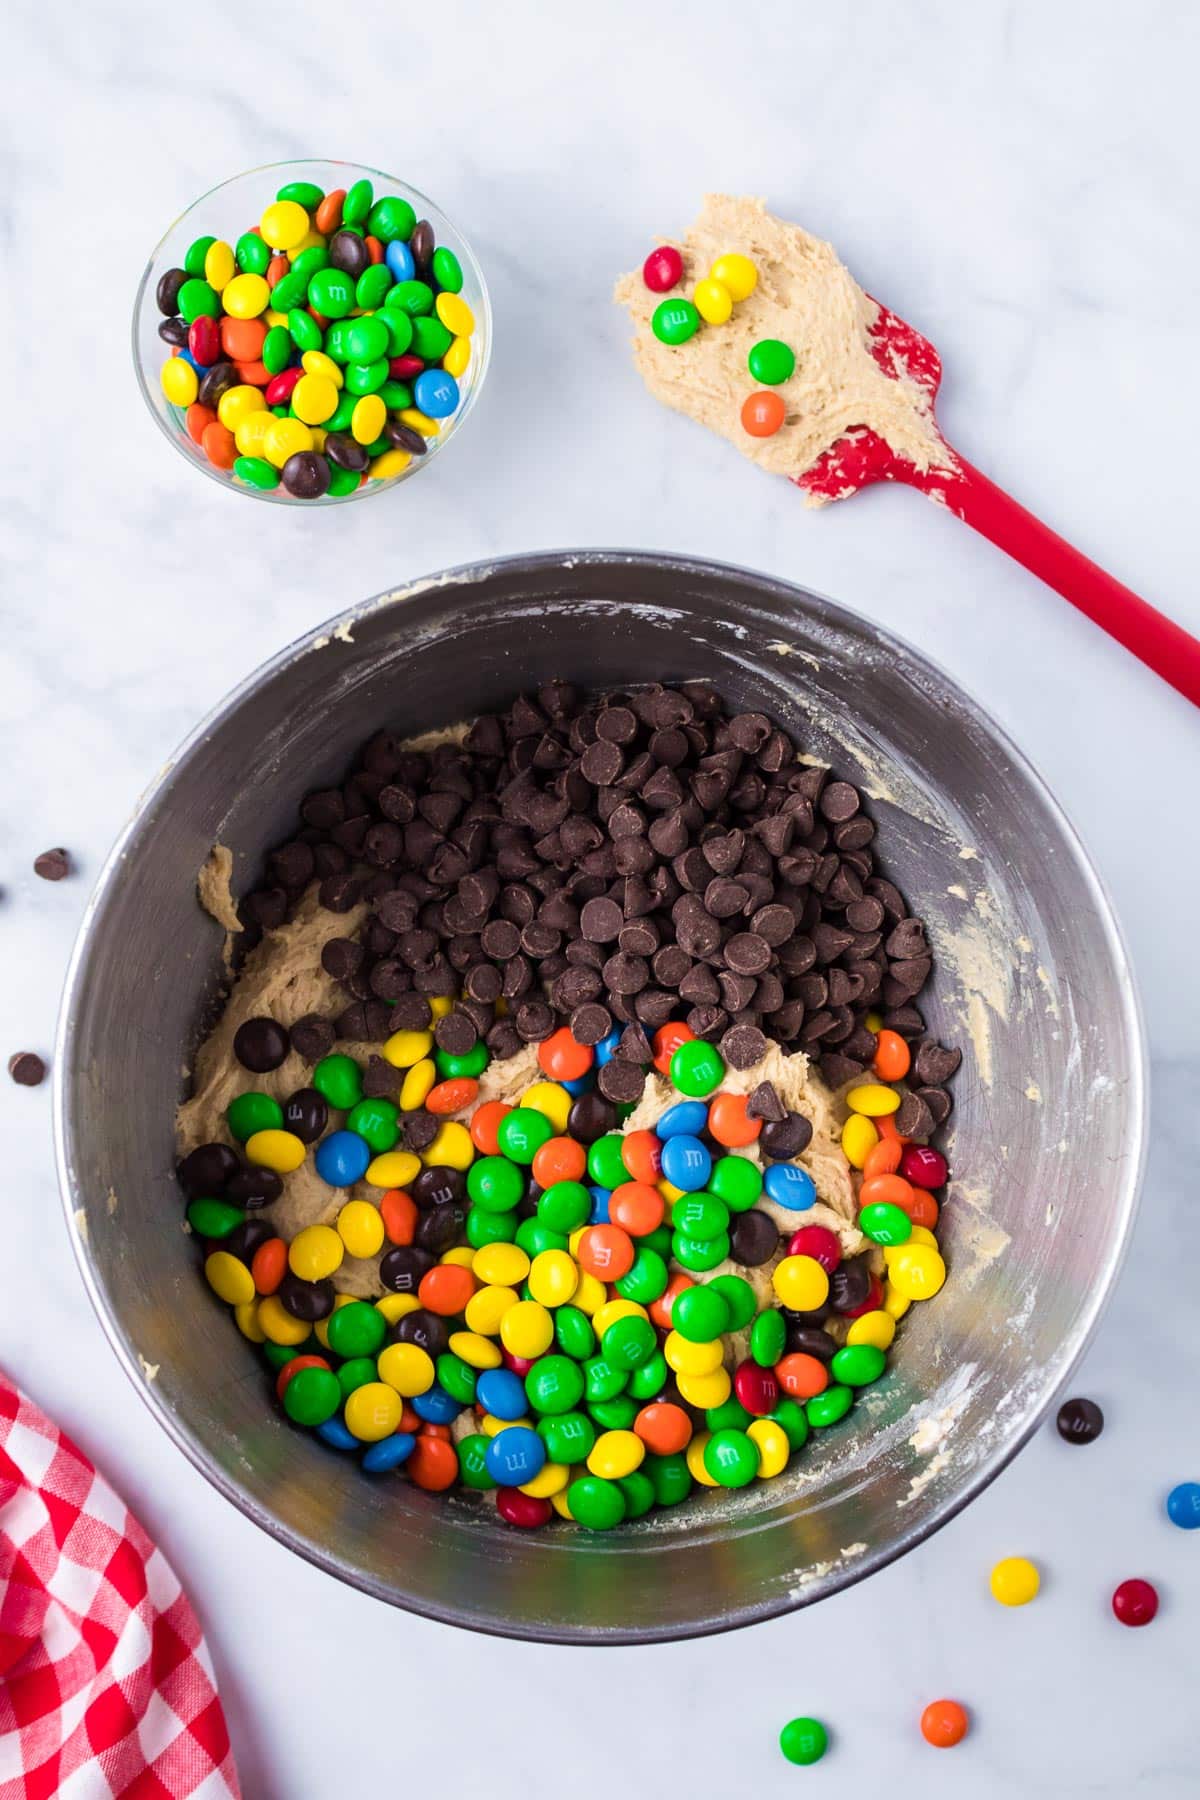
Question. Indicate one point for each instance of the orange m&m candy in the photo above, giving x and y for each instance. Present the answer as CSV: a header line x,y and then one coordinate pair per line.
x,y
606,1252
663,1427
802,1376
763,413
485,1123
660,1309
269,1265
883,1158
293,1368
562,1058
666,1042
944,1723
399,1213
893,1058
451,1096
446,1288
729,1123
433,1464
558,1159
636,1207
641,1152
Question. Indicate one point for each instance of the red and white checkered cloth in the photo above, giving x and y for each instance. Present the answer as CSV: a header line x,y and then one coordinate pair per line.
x,y
106,1687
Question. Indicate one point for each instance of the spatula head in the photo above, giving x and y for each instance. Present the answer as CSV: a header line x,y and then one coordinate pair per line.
x,y
862,457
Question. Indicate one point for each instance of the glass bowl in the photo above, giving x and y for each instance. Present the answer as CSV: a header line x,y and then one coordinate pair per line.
x,y
230,210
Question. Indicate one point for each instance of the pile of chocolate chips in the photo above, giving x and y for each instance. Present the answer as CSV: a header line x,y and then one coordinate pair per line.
x,y
620,860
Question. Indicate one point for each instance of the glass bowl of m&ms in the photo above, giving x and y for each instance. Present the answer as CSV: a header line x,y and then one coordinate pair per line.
x,y
312,332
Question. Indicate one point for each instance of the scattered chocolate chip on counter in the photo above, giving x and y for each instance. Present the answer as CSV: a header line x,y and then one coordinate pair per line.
x,y
52,865
27,1068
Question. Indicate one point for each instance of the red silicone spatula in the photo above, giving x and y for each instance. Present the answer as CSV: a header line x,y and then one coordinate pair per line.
x,y
862,457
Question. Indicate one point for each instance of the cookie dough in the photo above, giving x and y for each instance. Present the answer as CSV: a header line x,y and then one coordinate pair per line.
x,y
808,299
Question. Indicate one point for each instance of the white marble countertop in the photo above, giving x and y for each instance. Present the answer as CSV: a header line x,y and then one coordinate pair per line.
x,y
1019,181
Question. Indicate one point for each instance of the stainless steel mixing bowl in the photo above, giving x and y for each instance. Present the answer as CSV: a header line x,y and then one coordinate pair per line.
x,y
1032,980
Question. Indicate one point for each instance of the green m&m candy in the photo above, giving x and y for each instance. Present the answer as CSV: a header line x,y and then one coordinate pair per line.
x,y
378,1121
472,1462
431,339
650,1379
768,1338
699,1215
731,1415
303,329
339,1079
390,218
533,1237
213,1218
595,1503
399,327
699,1254
456,1376
565,1206
198,300
738,1296
605,1164
737,1181
356,1373
196,255
522,1132
366,339
331,293
356,1330
573,1333
804,1741
616,1414
857,1365
494,1184
305,193
372,285
771,362
277,350
638,1490
791,1415
289,293
675,321
307,264
604,1380
256,472
670,1476
829,1407
412,297
253,1112
697,1068
252,253
367,378
630,1342
568,1437
553,1385
646,1280
700,1314
312,1396
884,1223
358,202
485,1228
447,270
731,1458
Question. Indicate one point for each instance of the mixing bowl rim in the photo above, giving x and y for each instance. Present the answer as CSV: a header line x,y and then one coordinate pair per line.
x,y
465,575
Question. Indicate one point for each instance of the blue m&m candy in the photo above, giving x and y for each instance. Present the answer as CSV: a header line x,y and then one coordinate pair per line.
x,y
399,259
501,1393
686,1117
436,1406
600,1199
389,1452
789,1186
686,1163
1183,1506
515,1455
334,1433
606,1049
435,393
343,1158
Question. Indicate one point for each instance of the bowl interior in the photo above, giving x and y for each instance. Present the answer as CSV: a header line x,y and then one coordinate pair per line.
x,y
231,209
1045,1142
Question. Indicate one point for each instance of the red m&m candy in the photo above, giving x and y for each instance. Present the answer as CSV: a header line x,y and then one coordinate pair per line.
x,y
1135,1602
662,269
923,1166
818,1242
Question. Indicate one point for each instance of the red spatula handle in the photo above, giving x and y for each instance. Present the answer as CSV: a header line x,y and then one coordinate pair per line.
x,y
1156,640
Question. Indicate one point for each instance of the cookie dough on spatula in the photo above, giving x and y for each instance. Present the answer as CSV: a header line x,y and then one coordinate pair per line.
x,y
720,363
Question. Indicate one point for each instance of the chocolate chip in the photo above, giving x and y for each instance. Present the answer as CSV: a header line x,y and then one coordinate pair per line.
x,y
456,1034
906,1020
534,1021
938,1101
411,1012
705,1021
907,940
784,1138
418,1130
723,897
260,1045
913,1118
750,731
747,953
742,1046
342,958
621,1081
635,1047
601,921
312,1037
626,975
839,801
589,1023
601,763
764,1103
52,865
27,1068
838,1070
934,1065
380,1080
